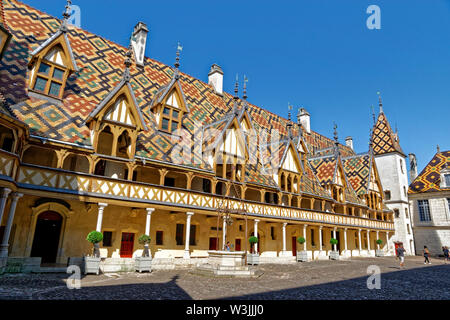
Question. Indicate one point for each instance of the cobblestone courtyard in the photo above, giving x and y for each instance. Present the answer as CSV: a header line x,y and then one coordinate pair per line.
x,y
311,281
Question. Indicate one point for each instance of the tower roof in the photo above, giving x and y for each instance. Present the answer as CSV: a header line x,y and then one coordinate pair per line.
x,y
384,139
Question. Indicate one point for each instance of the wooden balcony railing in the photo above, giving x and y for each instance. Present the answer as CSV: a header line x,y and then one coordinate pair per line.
x,y
56,180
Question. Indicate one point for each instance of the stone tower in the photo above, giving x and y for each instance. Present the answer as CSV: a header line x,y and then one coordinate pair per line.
x,y
391,163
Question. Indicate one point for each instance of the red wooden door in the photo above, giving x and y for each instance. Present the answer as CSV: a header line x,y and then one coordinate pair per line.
x,y
126,248
294,246
237,246
213,244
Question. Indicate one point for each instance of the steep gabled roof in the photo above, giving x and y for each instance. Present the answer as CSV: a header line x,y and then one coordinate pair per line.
x,y
357,169
384,140
429,180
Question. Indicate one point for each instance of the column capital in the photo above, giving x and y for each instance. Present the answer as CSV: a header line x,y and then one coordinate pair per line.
x,y
345,229
189,214
5,192
16,196
257,220
320,228
285,224
150,210
102,205
305,226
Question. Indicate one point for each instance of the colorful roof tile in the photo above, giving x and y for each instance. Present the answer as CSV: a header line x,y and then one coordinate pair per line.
x,y
429,180
384,140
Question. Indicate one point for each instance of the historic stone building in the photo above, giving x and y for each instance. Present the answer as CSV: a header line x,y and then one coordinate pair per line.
x,y
391,164
429,200
96,136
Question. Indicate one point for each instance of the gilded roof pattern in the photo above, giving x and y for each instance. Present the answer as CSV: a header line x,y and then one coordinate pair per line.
x,y
429,179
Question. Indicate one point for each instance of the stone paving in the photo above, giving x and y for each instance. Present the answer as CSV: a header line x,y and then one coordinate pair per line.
x,y
311,281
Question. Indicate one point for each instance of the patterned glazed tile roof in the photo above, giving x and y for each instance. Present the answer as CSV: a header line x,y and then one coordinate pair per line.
x,y
101,66
384,140
429,179
357,169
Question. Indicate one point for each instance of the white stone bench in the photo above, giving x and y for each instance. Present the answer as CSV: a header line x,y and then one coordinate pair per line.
x,y
199,254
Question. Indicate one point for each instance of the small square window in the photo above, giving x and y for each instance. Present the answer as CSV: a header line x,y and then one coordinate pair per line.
x,y
166,111
58,74
175,114
55,89
40,84
44,68
165,124
174,125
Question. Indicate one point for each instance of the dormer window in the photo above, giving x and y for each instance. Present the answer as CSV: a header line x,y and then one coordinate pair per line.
x,y
447,180
171,113
50,79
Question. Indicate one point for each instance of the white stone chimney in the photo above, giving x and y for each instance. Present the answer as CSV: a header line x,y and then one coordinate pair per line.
x,y
215,78
412,167
139,41
305,120
349,142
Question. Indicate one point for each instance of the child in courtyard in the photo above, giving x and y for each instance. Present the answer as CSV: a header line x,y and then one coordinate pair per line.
x,y
426,254
401,255
446,254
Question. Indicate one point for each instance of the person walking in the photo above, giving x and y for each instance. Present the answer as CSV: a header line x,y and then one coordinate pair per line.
x,y
446,254
426,254
401,255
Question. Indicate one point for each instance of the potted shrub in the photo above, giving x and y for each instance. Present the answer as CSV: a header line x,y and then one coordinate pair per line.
x,y
379,253
253,258
92,263
144,263
302,255
334,255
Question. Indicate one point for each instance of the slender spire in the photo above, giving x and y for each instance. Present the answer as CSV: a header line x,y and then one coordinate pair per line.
x,y
289,124
336,138
236,89
177,59
299,123
380,101
245,88
66,16
128,63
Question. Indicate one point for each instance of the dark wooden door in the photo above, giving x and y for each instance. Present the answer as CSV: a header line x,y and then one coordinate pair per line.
x,y
126,248
338,238
294,246
238,245
46,237
213,244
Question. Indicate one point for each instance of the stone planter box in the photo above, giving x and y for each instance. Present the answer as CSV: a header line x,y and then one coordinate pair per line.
x,y
302,256
142,264
253,259
334,255
92,265
379,253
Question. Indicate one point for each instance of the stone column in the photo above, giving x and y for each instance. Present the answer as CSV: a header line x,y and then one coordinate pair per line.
x,y
368,241
345,240
187,254
101,209
387,242
334,236
3,198
284,239
359,238
304,236
320,238
224,233
256,234
378,237
12,211
149,217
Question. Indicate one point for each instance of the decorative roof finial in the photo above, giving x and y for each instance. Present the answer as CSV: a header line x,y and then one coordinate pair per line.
x,y
66,16
289,124
128,63
236,88
373,114
245,88
380,101
177,59
336,139
438,149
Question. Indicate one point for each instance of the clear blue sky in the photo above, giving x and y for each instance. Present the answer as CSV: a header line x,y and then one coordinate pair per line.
x,y
317,54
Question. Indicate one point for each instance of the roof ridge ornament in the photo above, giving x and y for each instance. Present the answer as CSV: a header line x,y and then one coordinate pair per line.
x,y
289,124
438,149
128,63
380,101
66,15
177,60
245,88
